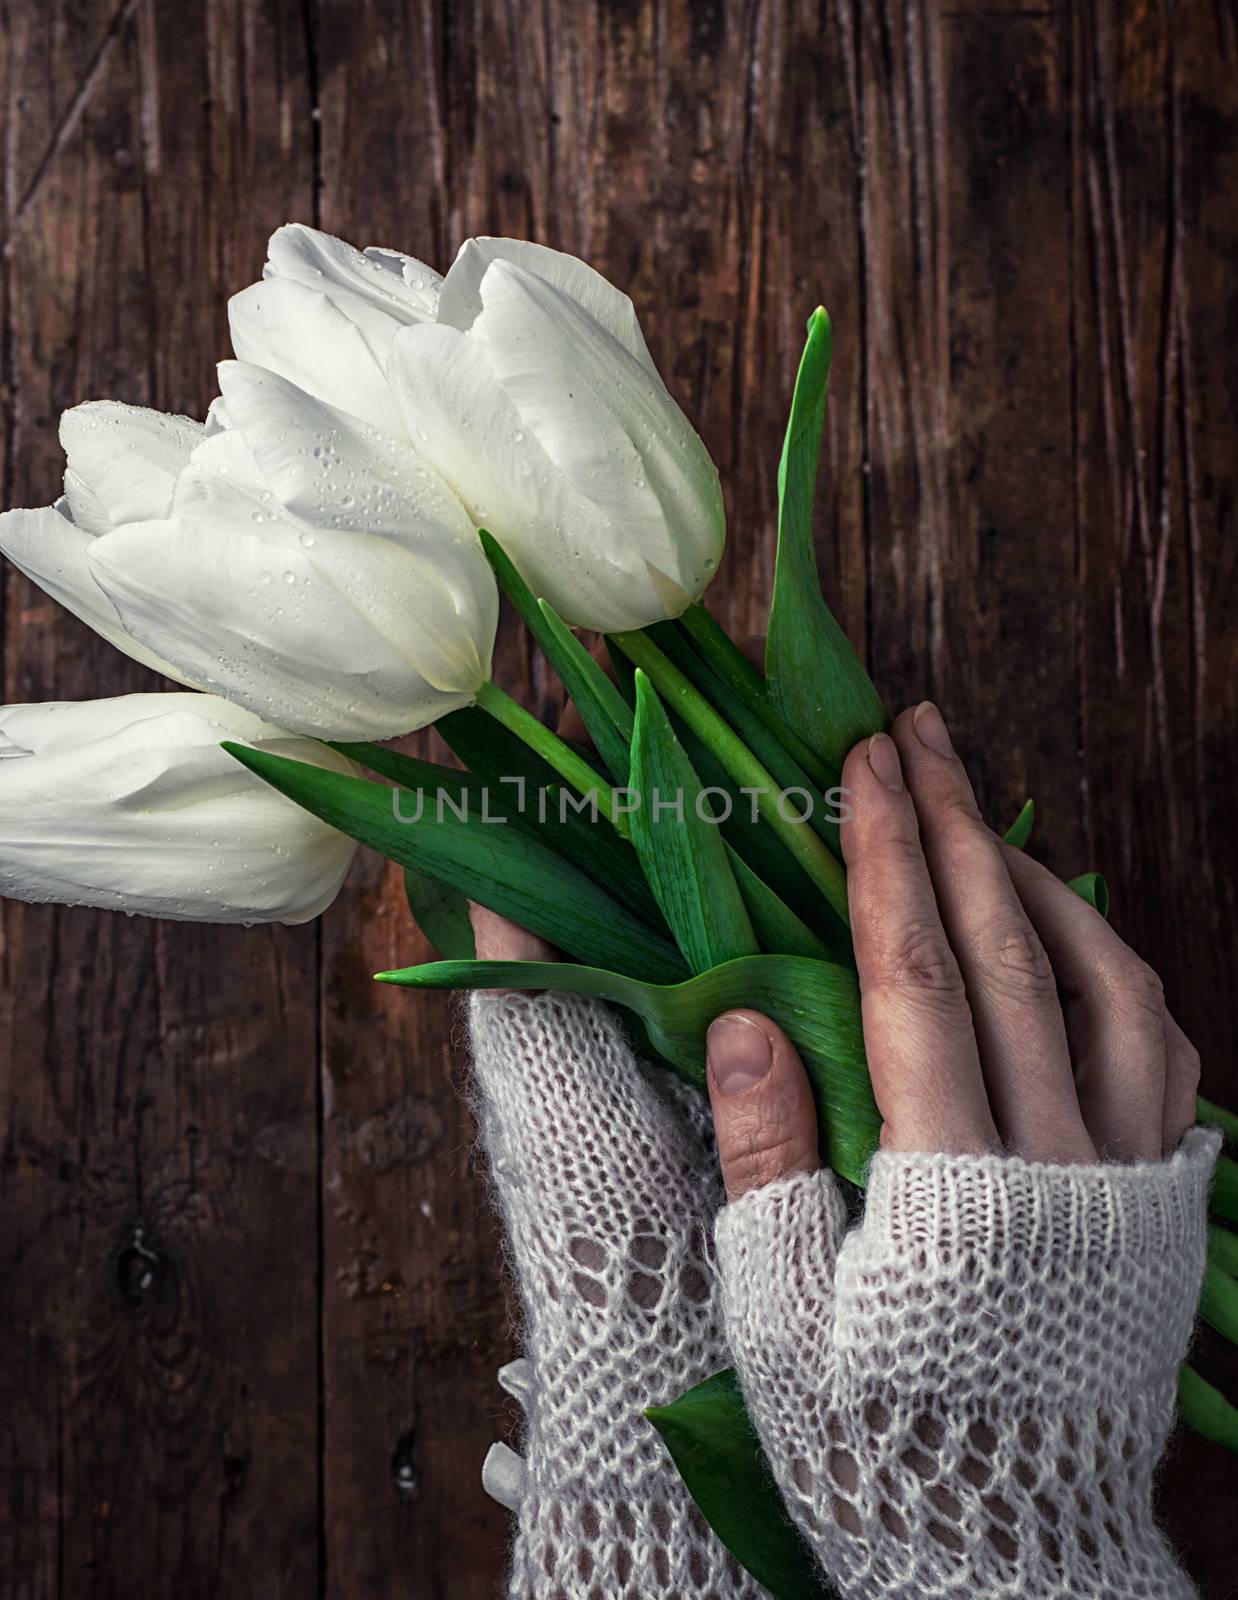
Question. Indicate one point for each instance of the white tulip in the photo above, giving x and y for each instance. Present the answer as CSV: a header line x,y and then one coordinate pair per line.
x,y
535,397
122,464
311,568
130,804
324,317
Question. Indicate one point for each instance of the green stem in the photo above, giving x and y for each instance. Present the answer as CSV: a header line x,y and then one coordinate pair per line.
x,y
689,704
571,767
734,667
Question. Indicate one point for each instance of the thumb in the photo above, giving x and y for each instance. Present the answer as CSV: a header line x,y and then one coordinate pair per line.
x,y
764,1118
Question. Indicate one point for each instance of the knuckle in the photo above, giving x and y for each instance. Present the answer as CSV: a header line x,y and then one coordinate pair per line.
x,y
759,1152
919,963
1137,992
1013,961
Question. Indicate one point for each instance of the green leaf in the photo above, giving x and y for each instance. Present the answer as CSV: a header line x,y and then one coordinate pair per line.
x,y
683,854
602,708
1092,887
498,866
1206,1409
442,914
624,671
776,926
503,761
815,678
1020,830
816,1003
719,1457
728,662
781,766
1223,1195
1215,1116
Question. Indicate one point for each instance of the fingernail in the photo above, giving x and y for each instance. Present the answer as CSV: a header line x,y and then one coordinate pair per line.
x,y
883,759
739,1054
931,728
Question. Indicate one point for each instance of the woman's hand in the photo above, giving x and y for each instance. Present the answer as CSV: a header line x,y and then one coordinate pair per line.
x,y
1001,1012
968,1392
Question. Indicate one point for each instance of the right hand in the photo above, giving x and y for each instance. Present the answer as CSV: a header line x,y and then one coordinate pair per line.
x,y
1001,1012
969,1392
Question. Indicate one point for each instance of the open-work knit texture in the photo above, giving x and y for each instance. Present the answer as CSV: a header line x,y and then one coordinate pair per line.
x,y
966,1396
609,1187
969,1393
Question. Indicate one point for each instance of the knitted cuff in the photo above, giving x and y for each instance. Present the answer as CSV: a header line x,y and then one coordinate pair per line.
x,y
1086,1277
776,1249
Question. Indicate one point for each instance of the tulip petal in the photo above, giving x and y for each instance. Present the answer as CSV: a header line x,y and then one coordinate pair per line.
x,y
460,299
131,804
51,551
371,287
297,332
326,630
567,548
335,472
123,461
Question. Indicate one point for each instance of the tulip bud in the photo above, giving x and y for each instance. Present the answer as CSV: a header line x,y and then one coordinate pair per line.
x,y
122,464
324,317
311,569
535,397
130,804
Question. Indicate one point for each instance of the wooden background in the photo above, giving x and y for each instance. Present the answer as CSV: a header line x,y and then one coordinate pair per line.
x,y
250,1310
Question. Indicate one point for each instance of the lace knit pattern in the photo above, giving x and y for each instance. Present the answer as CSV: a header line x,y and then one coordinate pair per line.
x,y
968,1394
608,1185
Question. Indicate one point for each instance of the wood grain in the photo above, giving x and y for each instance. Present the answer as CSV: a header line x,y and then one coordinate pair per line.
x,y
253,1303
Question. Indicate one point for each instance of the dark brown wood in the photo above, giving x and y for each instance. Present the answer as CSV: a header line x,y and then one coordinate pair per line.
x,y
252,1303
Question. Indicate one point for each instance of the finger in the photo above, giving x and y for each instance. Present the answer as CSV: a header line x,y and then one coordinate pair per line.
x,y
1010,986
1115,1011
497,939
918,1033
1181,1086
764,1118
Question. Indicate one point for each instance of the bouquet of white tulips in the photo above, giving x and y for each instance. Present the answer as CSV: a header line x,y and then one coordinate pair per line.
x,y
318,566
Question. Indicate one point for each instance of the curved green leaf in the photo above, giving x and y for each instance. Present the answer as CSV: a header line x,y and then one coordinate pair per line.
x,y
1091,886
499,866
816,680
816,1003
719,1457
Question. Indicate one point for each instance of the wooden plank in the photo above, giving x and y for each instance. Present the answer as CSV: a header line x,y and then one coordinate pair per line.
x,y
968,392
1156,118
158,1393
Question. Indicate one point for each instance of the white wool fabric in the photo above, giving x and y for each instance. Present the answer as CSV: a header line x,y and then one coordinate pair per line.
x,y
965,1395
608,1186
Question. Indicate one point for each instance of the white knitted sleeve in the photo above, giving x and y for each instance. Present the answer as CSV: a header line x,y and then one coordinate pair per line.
x,y
608,1185
969,1393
